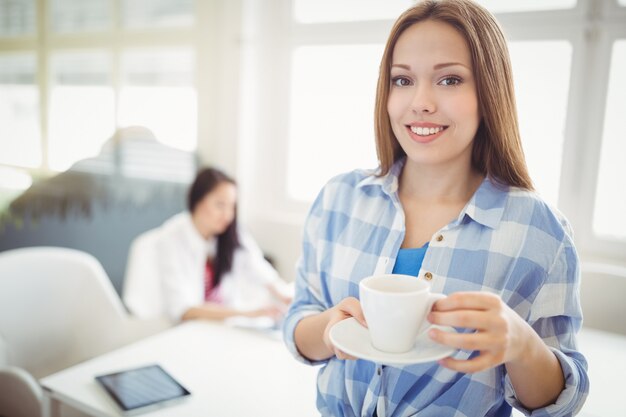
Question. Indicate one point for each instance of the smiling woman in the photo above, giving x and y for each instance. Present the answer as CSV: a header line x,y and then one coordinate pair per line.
x,y
452,181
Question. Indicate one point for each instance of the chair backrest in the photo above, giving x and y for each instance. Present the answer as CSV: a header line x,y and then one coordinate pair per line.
x,y
142,293
20,394
602,297
57,308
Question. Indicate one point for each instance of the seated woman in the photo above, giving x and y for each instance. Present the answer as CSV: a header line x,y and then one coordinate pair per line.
x,y
209,269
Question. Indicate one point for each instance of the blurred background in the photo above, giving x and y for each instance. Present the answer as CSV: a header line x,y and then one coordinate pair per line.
x,y
280,94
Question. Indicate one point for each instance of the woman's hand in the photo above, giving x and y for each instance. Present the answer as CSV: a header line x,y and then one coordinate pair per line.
x,y
312,333
501,336
346,308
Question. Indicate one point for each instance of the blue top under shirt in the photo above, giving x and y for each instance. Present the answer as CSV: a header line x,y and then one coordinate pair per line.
x,y
409,261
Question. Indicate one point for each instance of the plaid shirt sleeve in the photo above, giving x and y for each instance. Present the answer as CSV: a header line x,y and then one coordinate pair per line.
x,y
556,316
308,295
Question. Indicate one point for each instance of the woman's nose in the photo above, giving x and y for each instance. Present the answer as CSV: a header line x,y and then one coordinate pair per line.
x,y
423,100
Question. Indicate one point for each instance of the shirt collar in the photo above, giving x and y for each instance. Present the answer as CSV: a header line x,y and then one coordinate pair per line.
x,y
388,182
208,247
485,207
487,204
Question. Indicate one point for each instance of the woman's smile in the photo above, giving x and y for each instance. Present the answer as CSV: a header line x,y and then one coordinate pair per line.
x,y
425,132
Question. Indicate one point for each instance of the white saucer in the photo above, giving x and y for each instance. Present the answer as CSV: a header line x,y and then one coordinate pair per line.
x,y
354,339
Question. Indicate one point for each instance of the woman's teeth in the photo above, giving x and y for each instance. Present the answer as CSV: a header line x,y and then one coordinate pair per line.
x,y
426,131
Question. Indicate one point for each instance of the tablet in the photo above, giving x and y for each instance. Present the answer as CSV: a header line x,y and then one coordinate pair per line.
x,y
142,389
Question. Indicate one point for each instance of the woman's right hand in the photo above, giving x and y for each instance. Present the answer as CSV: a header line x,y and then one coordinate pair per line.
x,y
346,308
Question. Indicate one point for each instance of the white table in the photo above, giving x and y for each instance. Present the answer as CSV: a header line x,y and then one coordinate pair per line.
x,y
606,355
230,372
235,372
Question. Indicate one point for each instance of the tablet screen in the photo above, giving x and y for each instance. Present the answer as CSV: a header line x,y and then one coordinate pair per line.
x,y
134,389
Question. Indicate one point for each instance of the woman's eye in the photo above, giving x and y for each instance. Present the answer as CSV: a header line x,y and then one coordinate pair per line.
x,y
450,81
401,81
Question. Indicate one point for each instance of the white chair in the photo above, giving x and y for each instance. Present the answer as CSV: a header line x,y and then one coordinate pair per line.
x,y
142,293
57,308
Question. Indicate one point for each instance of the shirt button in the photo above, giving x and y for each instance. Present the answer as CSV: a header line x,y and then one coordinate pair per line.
x,y
428,276
439,238
379,371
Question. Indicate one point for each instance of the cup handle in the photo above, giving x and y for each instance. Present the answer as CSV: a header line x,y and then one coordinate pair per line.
x,y
433,298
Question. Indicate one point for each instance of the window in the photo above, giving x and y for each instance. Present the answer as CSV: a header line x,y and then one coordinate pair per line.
x,y
340,131
608,218
307,11
542,69
504,6
99,65
20,138
141,14
13,179
17,18
68,16
82,106
158,92
12,182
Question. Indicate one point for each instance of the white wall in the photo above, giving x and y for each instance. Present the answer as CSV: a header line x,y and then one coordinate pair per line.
x,y
603,289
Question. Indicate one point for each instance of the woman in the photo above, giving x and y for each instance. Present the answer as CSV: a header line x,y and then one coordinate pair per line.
x,y
210,269
452,203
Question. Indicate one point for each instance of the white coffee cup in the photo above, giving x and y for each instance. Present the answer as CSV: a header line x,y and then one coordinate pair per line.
x,y
395,308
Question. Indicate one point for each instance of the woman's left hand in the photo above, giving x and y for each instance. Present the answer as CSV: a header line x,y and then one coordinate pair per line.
x,y
501,334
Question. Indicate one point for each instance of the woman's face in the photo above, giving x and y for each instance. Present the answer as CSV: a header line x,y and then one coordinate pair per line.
x,y
433,105
217,209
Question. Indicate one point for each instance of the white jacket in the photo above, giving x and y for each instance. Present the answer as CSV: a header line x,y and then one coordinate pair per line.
x,y
176,272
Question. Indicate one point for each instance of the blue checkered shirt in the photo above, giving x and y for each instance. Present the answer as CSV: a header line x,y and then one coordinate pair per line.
x,y
505,241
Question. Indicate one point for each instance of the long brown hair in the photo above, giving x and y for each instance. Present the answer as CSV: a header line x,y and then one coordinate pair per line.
x,y
497,149
205,182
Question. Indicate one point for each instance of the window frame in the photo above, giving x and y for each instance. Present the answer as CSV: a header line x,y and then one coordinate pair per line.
x,y
212,42
606,23
590,26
